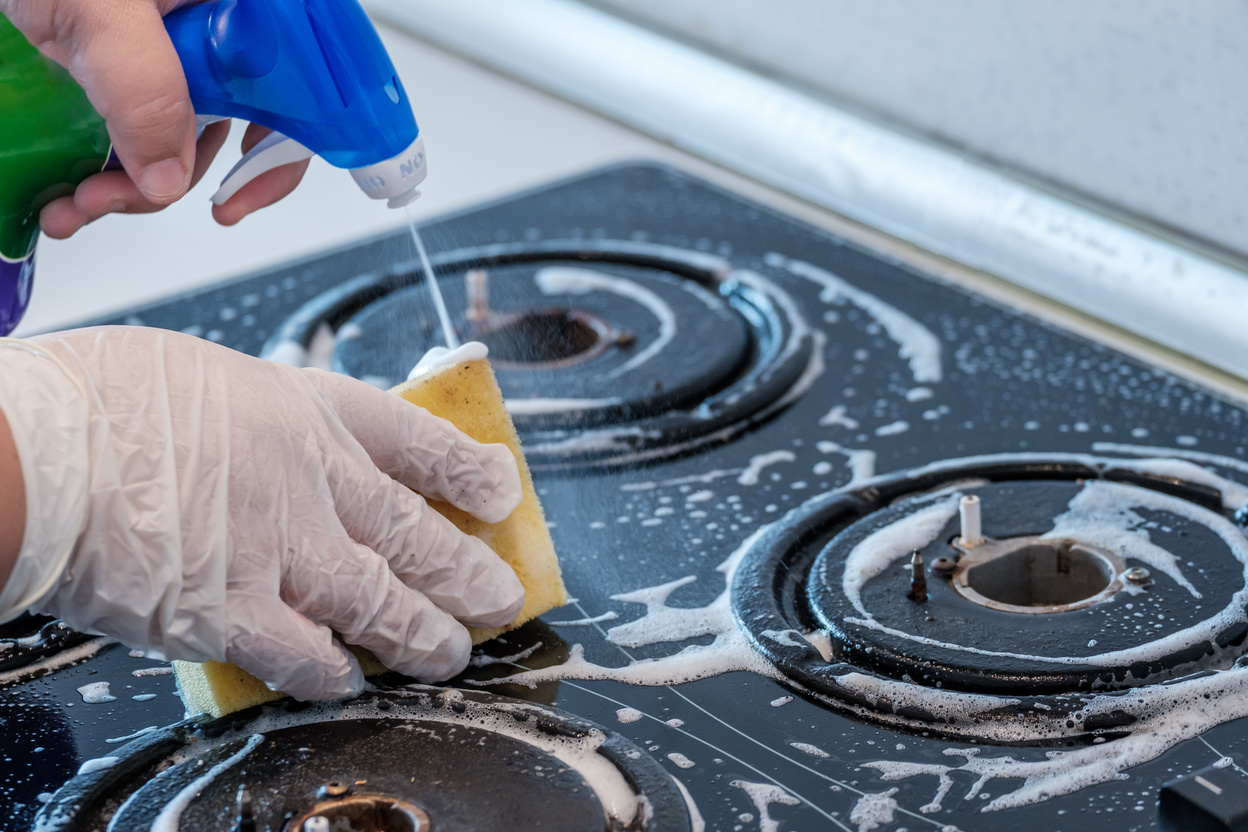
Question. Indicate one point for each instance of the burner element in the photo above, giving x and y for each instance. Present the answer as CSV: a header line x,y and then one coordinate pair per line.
x,y
1089,576
409,760
608,352
363,813
545,338
1036,575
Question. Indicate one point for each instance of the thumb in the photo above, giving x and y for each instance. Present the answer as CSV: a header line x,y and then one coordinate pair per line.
x,y
119,52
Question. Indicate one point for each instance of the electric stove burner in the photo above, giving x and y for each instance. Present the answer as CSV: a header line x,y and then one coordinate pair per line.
x,y
653,350
31,638
409,760
1002,590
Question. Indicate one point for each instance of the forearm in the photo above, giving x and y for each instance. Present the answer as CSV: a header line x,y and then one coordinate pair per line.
x,y
12,502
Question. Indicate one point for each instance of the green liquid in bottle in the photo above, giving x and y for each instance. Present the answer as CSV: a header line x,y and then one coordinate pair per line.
x,y
51,139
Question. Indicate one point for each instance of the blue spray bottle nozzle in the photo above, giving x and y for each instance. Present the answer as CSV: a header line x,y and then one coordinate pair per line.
x,y
316,72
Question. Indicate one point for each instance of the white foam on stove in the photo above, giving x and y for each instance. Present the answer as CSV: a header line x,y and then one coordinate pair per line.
x,y
873,811
696,822
1101,514
760,462
877,552
729,651
893,428
1168,713
559,280
918,345
97,764
537,407
609,615
169,819
807,748
320,353
763,795
680,760
96,693
861,462
836,416
1171,713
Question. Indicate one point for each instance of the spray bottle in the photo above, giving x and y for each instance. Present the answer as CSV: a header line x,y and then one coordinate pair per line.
x,y
314,71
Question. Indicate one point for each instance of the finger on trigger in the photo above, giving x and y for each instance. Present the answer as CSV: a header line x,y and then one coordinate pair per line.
x,y
424,452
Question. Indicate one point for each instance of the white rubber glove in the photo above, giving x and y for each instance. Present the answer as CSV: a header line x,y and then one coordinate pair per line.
x,y
197,504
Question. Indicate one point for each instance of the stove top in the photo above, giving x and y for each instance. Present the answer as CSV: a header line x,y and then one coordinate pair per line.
x,y
851,548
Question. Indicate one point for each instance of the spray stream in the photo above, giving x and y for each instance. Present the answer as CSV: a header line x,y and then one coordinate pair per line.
x,y
448,331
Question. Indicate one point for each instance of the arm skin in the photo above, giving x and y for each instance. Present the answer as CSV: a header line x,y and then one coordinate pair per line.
x,y
12,503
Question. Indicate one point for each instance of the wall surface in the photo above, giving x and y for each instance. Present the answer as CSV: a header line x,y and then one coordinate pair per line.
x,y
1137,103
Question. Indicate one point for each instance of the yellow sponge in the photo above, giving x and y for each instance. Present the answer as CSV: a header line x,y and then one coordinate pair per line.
x,y
468,395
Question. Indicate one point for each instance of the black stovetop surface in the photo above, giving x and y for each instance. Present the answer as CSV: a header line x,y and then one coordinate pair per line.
x,y
1007,383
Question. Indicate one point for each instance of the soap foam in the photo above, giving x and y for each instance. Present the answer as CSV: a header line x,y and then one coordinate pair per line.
x,y
762,795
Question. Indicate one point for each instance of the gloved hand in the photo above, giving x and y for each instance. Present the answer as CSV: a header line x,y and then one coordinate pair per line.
x,y
120,54
197,504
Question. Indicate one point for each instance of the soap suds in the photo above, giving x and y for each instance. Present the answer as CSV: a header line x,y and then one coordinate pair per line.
x,y
812,750
98,764
836,416
680,760
757,463
609,615
730,650
873,811
556,280
763,795
96,693
1101,514
894,428
537,407
918,345
170,816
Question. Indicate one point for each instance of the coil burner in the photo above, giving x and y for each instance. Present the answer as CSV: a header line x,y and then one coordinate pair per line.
x,y
655,350
997,597
409,760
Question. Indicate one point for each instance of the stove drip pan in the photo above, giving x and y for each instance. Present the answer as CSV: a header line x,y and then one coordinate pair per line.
x,y
414,759
1074,578
654,351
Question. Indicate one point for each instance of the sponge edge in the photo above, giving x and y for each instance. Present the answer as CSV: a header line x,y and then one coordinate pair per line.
x,y
467,394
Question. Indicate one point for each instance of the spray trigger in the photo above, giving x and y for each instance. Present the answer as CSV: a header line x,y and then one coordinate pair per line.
x,y
273,151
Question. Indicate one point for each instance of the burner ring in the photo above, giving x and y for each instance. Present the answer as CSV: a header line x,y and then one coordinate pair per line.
x,y
28,639
269,763
753,356
865,671
583,337
1043,576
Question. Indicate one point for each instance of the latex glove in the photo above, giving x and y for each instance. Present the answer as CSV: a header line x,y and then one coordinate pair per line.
x,y
120,54
197,503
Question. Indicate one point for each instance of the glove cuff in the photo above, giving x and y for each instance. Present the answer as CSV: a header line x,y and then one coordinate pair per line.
x,y
46,408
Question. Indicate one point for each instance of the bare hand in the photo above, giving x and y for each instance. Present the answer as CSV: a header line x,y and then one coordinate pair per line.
x,y
120,54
